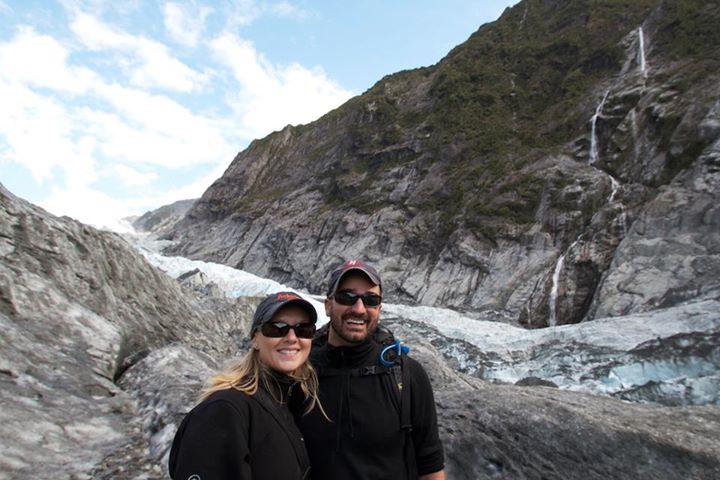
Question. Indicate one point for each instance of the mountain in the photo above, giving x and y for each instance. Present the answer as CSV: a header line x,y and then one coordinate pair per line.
x,y
102,354
161,220
561,165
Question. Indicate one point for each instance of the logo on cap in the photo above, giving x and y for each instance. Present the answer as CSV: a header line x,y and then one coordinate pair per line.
x,y
287,296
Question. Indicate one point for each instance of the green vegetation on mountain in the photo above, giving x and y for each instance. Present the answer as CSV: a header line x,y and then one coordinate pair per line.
x,y
546,135
526,83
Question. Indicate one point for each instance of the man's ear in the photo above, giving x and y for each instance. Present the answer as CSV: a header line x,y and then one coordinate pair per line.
x,y
328,305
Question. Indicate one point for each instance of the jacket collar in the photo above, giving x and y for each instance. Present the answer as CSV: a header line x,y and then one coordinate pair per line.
x,y
352,356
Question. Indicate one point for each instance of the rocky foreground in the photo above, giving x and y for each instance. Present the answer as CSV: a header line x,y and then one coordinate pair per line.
x,y
101,354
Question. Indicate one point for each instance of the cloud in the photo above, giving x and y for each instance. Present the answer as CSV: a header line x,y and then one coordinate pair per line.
x,y
148,63
271,97
241,13
94,207
185,23
107,132
129,176
106,107
41,61
286,9
143,128
194,189
39,128
38,134
87,205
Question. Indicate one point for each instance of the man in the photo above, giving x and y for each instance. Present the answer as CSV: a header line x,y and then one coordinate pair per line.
x,y
363,435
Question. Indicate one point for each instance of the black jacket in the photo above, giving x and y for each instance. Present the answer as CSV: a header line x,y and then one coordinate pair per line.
x,y
234,436
364,440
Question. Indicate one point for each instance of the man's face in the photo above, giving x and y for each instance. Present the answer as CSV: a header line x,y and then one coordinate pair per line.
x,y
352,324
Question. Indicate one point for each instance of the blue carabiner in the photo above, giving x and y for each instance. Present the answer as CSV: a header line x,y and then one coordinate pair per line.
x,y
394,346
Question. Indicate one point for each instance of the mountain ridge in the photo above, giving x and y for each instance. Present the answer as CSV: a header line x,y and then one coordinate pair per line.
x,y
506,177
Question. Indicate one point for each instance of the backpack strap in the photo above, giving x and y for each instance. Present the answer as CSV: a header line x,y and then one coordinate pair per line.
x,y
405,399
406,418
393,356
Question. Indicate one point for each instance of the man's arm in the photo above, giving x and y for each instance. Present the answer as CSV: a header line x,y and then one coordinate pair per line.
x,y
434,476
429,455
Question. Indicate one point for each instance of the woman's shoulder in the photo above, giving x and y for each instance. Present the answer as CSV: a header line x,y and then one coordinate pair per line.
x,y
228,399
226,395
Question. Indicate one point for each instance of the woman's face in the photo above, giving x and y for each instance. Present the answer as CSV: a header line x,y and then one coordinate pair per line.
x,y
284,354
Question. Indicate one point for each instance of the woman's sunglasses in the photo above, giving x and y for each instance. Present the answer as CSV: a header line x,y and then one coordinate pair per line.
x,y
346,297
280,329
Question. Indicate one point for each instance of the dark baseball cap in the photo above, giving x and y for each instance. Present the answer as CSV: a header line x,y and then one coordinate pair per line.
x,y
348,266
274,302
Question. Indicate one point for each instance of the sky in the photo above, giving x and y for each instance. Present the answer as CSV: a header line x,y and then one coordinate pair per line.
x,y
112,108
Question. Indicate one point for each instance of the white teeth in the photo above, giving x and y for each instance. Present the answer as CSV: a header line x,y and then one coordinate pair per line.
x,y
356,322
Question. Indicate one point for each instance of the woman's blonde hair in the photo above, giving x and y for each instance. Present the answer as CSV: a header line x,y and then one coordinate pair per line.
x,y
246,373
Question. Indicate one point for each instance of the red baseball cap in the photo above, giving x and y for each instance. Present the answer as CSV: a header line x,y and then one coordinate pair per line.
x,y
351,265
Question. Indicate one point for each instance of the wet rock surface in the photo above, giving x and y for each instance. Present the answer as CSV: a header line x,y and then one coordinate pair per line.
x,y
90,391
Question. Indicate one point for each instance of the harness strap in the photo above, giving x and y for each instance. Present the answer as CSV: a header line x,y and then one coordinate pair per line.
x,y
406,418
405,410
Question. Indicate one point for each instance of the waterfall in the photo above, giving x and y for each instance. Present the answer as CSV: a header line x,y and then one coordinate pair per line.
x,y
615,187
552,318
641,52
636,142
622,217
593,133
552,303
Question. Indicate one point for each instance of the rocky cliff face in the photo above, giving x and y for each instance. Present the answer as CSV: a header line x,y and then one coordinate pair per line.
x,y
101,355
163,219
78,307
560,165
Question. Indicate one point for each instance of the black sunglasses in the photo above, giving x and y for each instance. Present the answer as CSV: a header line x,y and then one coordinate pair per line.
x,y
280,329
346,297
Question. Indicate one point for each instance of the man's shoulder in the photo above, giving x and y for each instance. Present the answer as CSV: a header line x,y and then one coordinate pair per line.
x,y
417,372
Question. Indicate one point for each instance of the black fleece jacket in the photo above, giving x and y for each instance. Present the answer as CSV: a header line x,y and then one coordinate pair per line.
x,y
234,436
364,440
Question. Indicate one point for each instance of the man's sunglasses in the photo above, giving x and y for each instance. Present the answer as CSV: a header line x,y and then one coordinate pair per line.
x,y
345,297
280,329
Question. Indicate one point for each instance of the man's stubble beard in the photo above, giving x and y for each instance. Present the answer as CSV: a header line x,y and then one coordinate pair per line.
x,y
370,330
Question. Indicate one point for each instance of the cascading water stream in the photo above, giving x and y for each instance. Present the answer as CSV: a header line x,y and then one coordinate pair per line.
x,y
552,318
634,126
641,52
593,132
615,187
622,216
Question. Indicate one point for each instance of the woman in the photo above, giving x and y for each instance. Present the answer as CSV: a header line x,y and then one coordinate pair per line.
x,y
243,428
